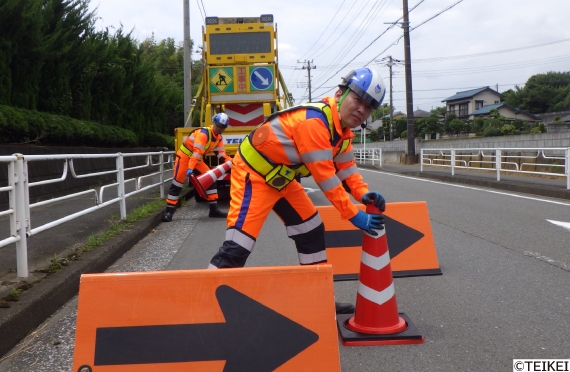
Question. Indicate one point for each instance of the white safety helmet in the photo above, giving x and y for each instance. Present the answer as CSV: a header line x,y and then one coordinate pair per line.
x,y
367,83
221,120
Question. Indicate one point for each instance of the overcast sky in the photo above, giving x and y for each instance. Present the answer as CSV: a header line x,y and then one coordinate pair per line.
x,y
472,44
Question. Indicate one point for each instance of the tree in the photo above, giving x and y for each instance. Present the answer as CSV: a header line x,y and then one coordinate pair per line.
x,y
432,124
380,112
447,122
376,135
542,93
456,125
478,125
399,126
439,110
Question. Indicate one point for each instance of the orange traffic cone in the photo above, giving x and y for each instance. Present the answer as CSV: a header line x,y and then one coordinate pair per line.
x,y
204,181
376,320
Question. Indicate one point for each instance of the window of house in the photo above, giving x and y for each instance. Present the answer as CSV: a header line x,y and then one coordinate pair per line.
x,y
463,109
452,109
479,104
496,102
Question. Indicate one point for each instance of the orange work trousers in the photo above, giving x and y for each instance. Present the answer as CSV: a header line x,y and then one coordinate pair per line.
x,y
251,201
179,177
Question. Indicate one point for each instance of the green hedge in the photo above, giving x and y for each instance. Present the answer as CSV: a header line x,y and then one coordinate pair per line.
x,y
153,139
25,126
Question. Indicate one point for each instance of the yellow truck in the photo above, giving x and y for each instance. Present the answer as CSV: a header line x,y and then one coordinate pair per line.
x,y
240,77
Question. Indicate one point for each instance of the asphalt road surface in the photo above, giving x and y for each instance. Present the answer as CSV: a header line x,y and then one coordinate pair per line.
x,y
503,294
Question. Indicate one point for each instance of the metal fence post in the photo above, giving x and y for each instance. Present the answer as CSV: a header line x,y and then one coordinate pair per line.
x,y
421,160
27,199
20,216
498,163
161,169
453,162
121,185
567,168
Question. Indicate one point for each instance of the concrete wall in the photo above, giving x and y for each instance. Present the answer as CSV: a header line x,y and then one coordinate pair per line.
x,y
549,117
394,151
555,128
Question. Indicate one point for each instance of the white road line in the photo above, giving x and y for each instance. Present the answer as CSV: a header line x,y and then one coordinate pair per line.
x,y
466,187
566,225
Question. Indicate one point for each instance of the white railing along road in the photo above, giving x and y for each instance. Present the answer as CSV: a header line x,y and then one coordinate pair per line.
x,y
552,161
19,201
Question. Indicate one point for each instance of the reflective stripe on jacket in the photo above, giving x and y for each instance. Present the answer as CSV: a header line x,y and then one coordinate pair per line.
x,y
200,142
311,136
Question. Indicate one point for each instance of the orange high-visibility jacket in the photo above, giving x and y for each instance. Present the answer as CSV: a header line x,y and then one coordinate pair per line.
x,y
312,136
201,141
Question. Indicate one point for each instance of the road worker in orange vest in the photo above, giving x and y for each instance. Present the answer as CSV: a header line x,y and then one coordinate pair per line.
x,y
189,157
310,139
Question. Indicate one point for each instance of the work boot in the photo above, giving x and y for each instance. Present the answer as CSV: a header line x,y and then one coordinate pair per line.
x,y
344,308
216,213
167,217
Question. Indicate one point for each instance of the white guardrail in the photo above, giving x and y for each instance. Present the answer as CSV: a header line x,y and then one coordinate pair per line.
x,y
553,161
18,189
372,155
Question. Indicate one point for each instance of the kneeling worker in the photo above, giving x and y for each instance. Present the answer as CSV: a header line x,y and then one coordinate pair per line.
x,y
190,157
313,138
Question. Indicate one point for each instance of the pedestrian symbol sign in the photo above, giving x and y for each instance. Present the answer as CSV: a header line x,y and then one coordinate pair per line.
x,y
221,80
261,78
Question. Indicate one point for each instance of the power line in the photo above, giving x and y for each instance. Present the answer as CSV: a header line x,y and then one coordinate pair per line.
x,y
203,16
436,59
332,19
402,36
326,28
429,19
373,41
363,26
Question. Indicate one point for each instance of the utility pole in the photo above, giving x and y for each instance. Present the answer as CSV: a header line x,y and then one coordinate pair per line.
x,y
187,66
390,64
308,67
409,98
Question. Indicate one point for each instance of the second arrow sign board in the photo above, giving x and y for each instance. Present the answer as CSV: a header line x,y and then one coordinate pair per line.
x,y
408,234
248,319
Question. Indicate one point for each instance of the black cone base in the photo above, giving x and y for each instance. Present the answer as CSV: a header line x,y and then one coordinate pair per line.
x,y
410,335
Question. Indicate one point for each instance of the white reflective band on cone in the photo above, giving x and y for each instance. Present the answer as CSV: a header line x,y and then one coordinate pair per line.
x,y
374,262
375,296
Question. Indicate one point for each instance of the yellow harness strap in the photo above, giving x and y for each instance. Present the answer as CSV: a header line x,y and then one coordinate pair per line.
x,y
276,175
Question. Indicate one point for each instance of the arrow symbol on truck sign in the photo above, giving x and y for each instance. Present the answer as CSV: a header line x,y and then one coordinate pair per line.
x,y
264,81
253,338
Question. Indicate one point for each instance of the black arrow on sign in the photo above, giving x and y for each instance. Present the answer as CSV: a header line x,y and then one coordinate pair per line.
x,y
399,237
253,338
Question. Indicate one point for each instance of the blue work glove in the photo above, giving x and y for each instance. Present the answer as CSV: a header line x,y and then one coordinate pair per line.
x,y
368,222
188,173
376,198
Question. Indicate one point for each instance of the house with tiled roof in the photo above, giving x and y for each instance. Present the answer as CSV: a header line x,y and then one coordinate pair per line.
x,y
421,114
465,102
505,111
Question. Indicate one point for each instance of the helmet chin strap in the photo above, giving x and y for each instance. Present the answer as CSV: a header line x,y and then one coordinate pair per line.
x,y
339,103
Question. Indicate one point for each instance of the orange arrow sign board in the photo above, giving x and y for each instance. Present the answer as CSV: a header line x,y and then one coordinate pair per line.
x,y
254,319
408,233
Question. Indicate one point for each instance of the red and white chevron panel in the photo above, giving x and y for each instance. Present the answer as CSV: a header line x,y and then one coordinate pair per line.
x,y
246,114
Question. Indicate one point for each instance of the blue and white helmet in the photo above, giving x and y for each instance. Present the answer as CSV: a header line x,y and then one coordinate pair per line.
x,y
367,83
221,120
